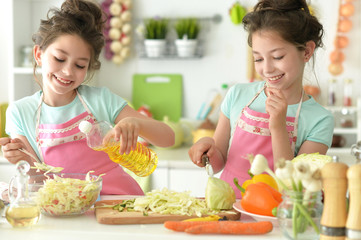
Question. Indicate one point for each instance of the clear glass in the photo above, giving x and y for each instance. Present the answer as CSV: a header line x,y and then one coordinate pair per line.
x,y
142,161
23,210
64,194
299,215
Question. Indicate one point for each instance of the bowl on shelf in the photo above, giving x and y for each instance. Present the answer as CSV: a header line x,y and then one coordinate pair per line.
x,y
64,194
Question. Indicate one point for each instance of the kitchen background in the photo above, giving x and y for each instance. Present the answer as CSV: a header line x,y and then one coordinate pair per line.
x,y
224,59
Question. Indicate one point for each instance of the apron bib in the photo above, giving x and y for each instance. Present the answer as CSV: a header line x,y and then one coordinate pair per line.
x,y
63,145
252,135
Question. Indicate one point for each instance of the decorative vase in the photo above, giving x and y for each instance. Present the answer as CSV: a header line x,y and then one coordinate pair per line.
x,y
186,47
155,47
299,215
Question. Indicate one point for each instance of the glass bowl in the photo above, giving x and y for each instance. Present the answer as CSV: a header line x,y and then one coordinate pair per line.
x,y
64,194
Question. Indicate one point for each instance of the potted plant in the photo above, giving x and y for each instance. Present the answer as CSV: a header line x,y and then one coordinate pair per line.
x,y
187,30
155,34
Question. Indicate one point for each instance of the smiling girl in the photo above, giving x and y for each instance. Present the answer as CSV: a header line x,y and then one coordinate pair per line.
x,y
273,117
67,48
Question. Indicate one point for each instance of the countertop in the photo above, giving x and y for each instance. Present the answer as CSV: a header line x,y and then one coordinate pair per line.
x,y
86,227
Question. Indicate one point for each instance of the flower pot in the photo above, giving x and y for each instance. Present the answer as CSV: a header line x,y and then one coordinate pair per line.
x,y
155,47
186,47
299,215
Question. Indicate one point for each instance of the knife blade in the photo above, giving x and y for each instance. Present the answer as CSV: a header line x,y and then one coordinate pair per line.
x,y
207,165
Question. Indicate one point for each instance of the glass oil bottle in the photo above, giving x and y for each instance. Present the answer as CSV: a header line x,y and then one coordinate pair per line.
x,y
142,161
22,211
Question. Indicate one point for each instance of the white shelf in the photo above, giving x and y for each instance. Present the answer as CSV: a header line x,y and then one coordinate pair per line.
x,y
345,131
335,151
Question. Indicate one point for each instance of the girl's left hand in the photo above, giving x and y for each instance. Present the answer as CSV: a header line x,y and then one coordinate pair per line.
x,y
127,131
276,107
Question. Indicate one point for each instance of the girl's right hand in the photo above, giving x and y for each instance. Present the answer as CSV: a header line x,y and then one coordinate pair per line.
x,y
205,145
10,149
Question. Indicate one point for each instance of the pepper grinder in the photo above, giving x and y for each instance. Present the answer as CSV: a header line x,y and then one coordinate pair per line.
x,y
353,224
334,215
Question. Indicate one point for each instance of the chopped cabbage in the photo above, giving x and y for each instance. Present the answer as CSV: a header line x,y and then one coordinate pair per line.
x,y
67,196
219,194
171,202
46,168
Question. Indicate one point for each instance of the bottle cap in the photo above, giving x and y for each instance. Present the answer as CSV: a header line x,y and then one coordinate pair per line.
x,y
85,127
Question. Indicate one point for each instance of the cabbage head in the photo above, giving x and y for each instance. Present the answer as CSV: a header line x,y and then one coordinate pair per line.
x,y
219,194
315,160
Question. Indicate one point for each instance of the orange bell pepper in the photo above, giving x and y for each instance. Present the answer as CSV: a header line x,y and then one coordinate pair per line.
x,y
259,198
260,178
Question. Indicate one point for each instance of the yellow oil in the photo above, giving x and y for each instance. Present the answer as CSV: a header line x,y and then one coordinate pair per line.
x,y
23,216
142,161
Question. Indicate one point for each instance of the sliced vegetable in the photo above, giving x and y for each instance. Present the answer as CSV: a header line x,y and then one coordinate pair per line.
x,y
60,196
219,194
46,168
171,202
206,219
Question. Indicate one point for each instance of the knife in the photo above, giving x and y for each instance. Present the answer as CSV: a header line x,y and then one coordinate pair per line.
x,y
205,163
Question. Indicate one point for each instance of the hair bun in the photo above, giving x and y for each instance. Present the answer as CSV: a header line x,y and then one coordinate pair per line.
x,y
85,11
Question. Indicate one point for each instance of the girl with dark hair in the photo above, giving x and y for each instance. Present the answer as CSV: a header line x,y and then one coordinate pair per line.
x,y
273,117
67,48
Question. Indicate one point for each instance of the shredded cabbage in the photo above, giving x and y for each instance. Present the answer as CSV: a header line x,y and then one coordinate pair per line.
x,y
67,196
46,168
170,202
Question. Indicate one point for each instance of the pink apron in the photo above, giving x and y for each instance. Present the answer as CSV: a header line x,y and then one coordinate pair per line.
x,y
63,145
252,135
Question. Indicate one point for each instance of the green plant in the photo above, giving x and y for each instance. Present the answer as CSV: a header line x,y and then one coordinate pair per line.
x,y
156,28
187,28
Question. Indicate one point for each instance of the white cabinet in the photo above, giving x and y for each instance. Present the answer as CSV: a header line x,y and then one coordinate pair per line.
x,y
347,129
193,180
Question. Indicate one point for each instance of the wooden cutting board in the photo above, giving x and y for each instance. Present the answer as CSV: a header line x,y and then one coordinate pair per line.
x,y
111,216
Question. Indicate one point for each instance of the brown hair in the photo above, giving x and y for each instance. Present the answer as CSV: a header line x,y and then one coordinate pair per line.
x,y
75,17
289,18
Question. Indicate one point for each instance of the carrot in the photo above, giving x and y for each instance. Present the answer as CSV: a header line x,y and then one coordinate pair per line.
x,y
232,227
181,226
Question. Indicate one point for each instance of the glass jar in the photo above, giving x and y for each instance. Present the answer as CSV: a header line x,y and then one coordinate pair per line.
x,y
347,94
299,215
347,118
331,100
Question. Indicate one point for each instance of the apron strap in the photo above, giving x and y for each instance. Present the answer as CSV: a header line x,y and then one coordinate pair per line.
x,y
295,128
38,115
249,103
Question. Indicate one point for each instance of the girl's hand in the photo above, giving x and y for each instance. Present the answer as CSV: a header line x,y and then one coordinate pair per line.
x,y
276,107
127,131
10,149
204,145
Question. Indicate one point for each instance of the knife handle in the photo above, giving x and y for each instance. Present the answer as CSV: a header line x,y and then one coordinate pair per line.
x,y
205,160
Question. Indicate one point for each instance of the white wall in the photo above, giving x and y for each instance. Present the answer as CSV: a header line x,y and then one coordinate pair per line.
x,y
5,19
225,58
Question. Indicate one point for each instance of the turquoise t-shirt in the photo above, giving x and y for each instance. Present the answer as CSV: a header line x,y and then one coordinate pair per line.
x,y
21,114
315,123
